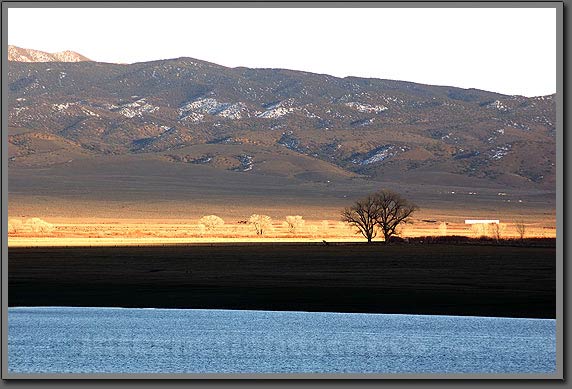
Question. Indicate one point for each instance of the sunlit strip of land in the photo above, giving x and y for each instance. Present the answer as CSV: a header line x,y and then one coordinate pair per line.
x,y
36,232
58,242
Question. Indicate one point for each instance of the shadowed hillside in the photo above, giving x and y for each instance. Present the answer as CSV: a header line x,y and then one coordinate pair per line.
x,y
273,122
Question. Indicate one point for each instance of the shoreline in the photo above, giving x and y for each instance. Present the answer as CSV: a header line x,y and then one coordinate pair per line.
x,y
47,307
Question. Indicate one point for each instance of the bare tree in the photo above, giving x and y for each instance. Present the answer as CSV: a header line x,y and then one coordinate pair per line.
x,y
520,229
392,210
498,230
260,222
211,222
363,215
480,230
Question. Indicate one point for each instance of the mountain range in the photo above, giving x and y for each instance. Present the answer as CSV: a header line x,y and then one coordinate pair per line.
x,y
277,122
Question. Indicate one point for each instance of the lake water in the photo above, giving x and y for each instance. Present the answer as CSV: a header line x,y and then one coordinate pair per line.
x,y
118,340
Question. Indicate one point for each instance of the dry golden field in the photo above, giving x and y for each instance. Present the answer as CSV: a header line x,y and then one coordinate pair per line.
x,y
63,231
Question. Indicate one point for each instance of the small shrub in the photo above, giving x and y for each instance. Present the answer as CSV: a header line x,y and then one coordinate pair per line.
x,y
295,224
14,226
38,225
396,239
211,222
443,229
261,223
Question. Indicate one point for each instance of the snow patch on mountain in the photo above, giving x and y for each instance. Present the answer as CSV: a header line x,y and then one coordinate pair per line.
x,y
246,163
235,111
290,141
61,107
519,126
277,109
207,105
497,104
275,113
89,112
135,109
392,99
495,134
335,114
196,109
16,111
499,152
544,121
366,108
310,114
193,117
362,122
379,154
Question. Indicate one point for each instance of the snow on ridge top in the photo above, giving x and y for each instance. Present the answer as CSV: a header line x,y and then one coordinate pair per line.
x,y
366,108
19,54
69,56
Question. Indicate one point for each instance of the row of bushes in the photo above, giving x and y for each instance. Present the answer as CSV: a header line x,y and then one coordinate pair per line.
x,y
461,239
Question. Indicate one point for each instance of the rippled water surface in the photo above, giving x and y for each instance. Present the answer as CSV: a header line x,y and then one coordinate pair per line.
x,y
118,340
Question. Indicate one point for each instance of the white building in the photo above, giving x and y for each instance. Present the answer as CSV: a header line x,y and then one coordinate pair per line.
x,y
477,221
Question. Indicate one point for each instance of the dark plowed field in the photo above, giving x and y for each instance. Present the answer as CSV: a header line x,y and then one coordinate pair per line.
x,y
419,279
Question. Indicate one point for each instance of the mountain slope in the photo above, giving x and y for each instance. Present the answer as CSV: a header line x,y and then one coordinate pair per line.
x,y
19,54
279,122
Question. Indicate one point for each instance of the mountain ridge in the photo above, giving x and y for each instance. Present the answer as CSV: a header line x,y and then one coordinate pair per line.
x,y
189,111
19,54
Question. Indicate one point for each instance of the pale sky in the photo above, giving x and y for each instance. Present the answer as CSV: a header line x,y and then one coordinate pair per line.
x,y
511,51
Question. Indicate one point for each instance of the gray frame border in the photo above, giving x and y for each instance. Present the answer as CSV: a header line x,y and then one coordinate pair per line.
x,y
558,5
